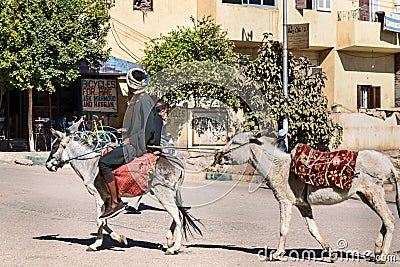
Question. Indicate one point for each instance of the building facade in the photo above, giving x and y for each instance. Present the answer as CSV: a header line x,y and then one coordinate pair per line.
x,y
355,42
346,39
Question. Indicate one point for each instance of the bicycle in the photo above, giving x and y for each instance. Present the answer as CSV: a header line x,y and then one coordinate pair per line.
x,y
98,137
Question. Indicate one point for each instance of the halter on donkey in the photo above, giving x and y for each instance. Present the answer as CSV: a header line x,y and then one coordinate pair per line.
x,y
164,183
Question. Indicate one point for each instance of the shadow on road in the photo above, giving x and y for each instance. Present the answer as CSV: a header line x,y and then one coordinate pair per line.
x,y
147,207
264,254
292,255
109,244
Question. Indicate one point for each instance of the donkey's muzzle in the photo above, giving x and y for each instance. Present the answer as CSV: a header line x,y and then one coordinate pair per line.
x,y
217,158
53,165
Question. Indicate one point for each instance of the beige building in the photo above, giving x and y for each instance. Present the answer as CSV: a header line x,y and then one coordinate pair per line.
x,y
355,42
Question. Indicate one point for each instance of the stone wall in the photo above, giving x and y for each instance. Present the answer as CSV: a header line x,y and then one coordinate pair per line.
x,y
363,131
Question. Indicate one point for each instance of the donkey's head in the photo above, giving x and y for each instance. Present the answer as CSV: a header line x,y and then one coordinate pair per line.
x,y
58,158
237,150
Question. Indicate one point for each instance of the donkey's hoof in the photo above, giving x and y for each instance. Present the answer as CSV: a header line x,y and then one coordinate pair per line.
x,y
277,256
124,240
89,249
170,244
170,252
333,256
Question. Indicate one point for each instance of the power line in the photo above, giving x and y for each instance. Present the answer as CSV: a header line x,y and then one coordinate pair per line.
x,y
121,45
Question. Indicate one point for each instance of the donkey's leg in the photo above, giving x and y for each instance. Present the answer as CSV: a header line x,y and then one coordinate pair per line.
x,y
115,236
375,195
306,212
285,208
170,234
99,240
166,196
100,223
174,212
382,232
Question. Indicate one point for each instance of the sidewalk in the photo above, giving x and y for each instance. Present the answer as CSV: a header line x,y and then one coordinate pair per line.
x,y
37,158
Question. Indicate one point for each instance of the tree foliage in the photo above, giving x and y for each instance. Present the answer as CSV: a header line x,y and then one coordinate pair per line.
x,y
186,51
309,120
42,41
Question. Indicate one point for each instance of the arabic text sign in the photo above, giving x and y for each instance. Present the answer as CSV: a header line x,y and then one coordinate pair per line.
x,y
298,35
99,96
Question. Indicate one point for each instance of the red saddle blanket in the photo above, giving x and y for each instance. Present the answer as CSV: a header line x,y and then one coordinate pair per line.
x,y
132,179
324,168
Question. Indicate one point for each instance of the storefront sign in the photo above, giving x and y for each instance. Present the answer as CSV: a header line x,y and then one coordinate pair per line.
x,y
99,96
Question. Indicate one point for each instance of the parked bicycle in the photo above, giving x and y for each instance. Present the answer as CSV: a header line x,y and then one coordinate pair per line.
x,y
98,136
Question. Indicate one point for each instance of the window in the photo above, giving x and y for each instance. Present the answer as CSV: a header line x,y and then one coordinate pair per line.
x,y
269,3
237,2
324,5
368,96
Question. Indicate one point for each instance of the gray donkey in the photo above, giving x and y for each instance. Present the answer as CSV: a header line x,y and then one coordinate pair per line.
x,y
164,183
371,171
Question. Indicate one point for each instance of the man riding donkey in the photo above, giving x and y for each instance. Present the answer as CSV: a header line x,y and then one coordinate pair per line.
x,y
142,127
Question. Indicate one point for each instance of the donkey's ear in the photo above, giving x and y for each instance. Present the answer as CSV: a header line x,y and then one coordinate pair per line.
x,y
260,133
75,127
255,141
56,133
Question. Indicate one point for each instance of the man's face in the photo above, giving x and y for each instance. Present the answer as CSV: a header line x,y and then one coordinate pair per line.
x,y
163,113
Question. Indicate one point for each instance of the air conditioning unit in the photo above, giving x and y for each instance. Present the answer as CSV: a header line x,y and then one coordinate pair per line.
x,y
314,70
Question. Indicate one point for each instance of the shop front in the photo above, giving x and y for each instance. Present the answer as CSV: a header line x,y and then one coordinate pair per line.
x,y
97,95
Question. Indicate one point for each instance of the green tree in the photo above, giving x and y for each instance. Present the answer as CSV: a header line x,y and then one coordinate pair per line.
x,y
191,51
42,41
309,120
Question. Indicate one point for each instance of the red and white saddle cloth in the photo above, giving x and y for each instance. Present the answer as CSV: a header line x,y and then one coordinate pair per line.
x,y
132,179
324,168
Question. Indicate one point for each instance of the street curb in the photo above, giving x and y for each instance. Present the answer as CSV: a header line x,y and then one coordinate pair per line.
x,y
37,158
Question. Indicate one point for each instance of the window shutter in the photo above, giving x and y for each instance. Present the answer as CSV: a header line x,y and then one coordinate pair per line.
x,y
370,97
301,4
376,96
359,96
364,10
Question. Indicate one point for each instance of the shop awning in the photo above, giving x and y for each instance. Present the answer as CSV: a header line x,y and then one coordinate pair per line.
x,y
113,66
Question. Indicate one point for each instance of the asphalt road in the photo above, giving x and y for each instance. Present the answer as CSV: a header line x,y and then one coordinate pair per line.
x,y
47,219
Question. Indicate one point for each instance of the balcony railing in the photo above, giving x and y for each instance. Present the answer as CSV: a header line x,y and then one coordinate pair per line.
x,y
362,13
349,15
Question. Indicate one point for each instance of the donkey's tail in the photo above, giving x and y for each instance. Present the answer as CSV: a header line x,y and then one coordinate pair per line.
x,y
189,222
397,184
395,179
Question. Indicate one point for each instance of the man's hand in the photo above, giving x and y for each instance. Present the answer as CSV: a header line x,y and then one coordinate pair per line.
x,y
126,141
121,130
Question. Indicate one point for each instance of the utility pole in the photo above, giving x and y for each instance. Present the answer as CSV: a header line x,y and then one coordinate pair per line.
x,y
285,68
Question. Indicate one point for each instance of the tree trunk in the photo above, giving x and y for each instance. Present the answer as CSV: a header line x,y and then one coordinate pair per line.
x,y
30,131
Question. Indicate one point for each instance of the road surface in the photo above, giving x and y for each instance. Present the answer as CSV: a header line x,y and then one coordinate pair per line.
x,y
47,219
